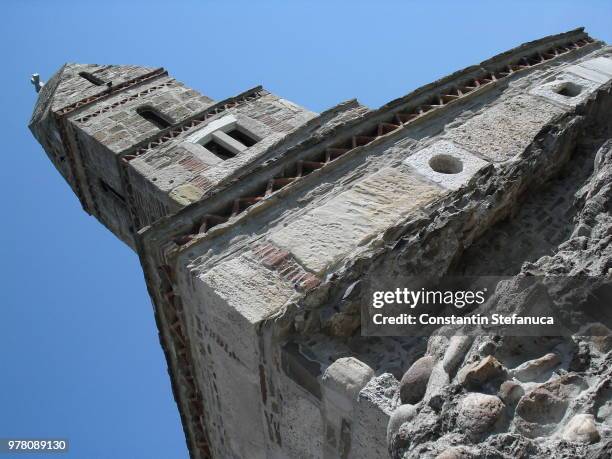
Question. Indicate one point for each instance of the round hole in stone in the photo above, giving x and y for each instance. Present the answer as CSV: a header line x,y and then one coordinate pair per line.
x,y
446,164
569,89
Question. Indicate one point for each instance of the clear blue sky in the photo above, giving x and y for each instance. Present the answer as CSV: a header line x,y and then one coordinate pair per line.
x,y
78,344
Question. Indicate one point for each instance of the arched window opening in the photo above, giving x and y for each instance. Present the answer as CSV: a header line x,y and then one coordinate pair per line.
x,y
153,116
92,78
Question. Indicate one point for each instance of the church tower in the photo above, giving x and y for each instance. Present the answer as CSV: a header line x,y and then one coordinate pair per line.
x,y
135,144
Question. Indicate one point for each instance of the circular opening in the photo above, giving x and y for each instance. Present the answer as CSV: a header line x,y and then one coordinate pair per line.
x,y
569,89
446,164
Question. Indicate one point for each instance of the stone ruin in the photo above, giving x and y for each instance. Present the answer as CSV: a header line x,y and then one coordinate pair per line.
x,y
257,221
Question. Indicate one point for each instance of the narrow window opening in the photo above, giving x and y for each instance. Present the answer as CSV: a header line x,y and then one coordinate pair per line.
x,y
241,137
219,150
153,116
110,190
92,78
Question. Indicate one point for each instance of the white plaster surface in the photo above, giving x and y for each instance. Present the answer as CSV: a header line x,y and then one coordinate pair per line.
x,y
419,161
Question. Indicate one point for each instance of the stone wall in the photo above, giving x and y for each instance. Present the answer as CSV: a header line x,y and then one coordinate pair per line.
x,y
181,171
257,262
333,220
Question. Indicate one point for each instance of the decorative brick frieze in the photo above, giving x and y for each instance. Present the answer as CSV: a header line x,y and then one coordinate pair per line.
x,y
111,91
286,266
123,101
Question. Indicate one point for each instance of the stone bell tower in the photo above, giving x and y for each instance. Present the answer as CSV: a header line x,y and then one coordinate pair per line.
x,y
122,137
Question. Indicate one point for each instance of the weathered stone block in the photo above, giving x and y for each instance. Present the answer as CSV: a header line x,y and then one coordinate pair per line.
x,y
324,235
505,129
251,289
375,405
588,74
539,411
446,164
343,380
534,369
402,414
186,194
599,64
567,89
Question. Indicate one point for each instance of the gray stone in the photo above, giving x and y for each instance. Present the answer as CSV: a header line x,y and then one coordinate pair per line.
x,y
328,233
481,372
414,382
455,353
599,64
456,452
478,414
506,129
533,370
599,335
438,381
588,74
510,392
582,429
371,417
538,412
402,414
415,433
